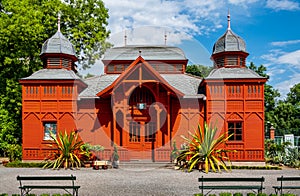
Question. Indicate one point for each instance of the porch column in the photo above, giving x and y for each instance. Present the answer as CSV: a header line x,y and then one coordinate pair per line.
x,y
158,130
114,125
169,119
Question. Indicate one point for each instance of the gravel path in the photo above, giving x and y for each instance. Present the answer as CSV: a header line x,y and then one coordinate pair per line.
x,y
137,181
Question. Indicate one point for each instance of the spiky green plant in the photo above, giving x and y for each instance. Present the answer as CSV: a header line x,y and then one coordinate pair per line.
x,y
69,151
205,148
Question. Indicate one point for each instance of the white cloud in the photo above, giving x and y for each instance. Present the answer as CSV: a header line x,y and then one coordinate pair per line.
x,y
285,85
273,55
180,19
241,2
283,5
292,58
279,57
285,43
283,68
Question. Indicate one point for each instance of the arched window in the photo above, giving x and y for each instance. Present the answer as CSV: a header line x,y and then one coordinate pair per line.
x,y
141,97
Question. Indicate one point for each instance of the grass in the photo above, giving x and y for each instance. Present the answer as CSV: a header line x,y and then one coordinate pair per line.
x,y
19,164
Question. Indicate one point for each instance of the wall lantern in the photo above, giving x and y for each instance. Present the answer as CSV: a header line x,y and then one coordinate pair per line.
x,y
141,106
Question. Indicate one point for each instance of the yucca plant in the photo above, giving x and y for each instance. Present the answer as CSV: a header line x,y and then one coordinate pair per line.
x,y
204,147
69,151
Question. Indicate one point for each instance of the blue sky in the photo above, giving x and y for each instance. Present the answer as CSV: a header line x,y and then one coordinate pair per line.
x,y
270,28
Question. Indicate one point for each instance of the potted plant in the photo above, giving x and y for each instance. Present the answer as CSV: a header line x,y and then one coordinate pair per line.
x,y
174,153
68,149
115,158
204,149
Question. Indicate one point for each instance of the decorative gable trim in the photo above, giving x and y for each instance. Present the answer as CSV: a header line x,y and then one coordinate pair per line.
x,y
135,65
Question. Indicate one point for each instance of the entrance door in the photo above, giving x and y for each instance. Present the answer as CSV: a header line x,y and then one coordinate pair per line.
x,y
142,139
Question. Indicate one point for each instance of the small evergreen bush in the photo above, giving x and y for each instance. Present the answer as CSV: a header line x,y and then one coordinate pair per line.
x,y
238,194
225,194
251,194
262,194
19,164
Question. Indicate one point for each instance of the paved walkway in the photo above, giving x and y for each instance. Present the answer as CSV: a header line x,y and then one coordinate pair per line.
x,y
131,181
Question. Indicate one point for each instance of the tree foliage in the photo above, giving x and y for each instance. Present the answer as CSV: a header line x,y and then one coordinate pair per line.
x,y
198,70
293,96
287,113
24,26
284,115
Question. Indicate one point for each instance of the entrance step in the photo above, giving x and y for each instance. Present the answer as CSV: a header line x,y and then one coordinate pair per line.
x,y
144,164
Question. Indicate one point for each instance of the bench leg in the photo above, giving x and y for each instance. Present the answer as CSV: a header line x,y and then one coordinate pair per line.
x,y
25,192
75,192
276,191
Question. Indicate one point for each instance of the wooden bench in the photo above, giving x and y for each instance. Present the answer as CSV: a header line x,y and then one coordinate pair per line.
x,y
103,164
31,183
281,187
218,184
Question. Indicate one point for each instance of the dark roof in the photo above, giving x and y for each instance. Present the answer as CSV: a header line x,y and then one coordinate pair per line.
x,y
186,84
131,52
53,74
229,42
57,44
233,73
97,84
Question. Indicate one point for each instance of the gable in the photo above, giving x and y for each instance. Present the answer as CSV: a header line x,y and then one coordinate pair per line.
x,y
137,73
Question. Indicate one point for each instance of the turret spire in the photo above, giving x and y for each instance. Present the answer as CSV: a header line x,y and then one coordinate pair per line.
x,y
125,38
58,22
166,38
228,20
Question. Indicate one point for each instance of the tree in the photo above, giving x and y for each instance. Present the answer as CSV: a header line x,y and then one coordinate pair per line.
x,y
284,116
259,70
24,26
198,70
287,113
293,96
270,94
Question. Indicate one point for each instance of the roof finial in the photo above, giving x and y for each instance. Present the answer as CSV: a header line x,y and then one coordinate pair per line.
x,y
166,38
58,22
125,38
228,20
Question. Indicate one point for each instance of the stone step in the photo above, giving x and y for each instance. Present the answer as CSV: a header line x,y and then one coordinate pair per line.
x,y
144,164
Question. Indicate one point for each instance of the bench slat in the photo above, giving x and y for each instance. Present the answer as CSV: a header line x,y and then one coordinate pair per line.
x,y
231,179
231,187
286,187
26,188
288,178
48,187
206,183
46,178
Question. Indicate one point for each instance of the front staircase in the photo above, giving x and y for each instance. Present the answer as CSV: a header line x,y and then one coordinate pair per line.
x,y
144,164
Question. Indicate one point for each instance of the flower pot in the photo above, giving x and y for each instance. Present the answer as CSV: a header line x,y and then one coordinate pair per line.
x,y
96,167
115,164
